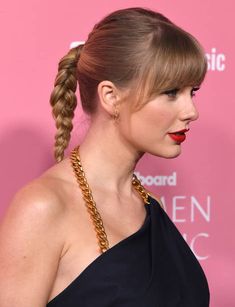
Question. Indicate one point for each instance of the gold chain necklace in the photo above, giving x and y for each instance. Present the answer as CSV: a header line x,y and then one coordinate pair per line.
x,y
90,203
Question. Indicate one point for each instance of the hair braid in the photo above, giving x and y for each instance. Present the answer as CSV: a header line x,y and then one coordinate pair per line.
x,y
64,101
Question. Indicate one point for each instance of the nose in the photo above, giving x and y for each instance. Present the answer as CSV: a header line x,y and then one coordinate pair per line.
x,y
190,111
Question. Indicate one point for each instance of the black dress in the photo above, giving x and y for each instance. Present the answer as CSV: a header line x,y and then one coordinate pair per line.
x,y
154,267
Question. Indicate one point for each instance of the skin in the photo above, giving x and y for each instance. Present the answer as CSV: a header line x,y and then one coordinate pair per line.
x,y
47,238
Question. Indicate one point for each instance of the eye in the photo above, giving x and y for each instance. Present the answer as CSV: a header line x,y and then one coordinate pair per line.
x,y
194,89
171,93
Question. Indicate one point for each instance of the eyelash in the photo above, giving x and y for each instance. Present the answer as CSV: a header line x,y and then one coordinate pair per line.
x,y
173,93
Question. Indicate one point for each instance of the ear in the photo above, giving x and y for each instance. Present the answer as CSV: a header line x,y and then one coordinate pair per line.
x,y
109,96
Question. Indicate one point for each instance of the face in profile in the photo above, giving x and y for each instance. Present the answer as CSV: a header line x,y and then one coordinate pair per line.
x,y
155,127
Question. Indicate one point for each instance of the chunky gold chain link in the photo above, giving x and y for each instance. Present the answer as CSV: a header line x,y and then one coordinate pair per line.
x,y
90,203
140,189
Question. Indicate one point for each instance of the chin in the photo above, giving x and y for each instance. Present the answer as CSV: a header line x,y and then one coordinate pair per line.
x,y
171,154
167,152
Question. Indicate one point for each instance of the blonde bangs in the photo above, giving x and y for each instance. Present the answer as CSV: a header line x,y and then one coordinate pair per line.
x,y
175,61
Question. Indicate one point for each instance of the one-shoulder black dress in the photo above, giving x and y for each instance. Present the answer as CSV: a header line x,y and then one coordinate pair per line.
x,y
154,267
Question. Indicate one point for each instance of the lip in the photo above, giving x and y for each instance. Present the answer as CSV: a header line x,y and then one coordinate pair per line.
x,y
178,136
180,131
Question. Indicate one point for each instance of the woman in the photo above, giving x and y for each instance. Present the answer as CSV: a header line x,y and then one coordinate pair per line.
x,y
86,233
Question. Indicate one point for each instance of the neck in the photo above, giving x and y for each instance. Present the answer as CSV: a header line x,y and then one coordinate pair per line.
x,y
108,160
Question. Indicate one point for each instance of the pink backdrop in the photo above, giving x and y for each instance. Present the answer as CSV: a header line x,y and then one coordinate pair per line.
x,y
197,188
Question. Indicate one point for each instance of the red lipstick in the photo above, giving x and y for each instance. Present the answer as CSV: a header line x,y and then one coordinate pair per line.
x,y
178,136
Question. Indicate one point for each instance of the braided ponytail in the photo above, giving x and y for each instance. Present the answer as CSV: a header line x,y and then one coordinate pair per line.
x,y
64,101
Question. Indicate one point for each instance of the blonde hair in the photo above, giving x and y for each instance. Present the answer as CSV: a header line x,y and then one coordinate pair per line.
x,y
135,48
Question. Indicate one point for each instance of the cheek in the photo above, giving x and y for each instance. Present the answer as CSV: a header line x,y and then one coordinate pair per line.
x,y
160,118
146,121
163,117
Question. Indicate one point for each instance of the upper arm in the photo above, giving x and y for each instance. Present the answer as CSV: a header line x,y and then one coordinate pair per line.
x,y
31,243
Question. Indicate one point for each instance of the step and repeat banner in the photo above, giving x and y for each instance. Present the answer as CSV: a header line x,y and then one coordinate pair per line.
x,y
197,188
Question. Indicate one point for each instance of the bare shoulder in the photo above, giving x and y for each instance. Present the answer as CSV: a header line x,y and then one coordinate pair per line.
x,y
45,193
32,237
37,197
